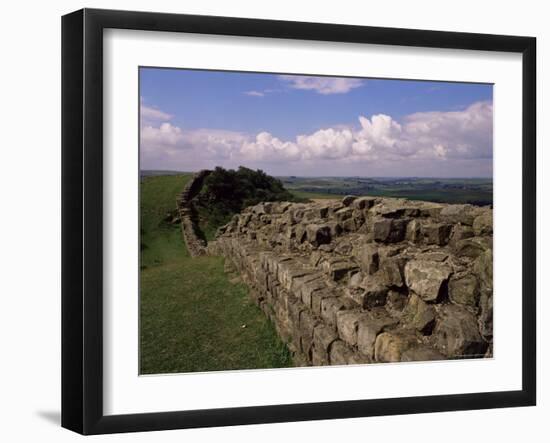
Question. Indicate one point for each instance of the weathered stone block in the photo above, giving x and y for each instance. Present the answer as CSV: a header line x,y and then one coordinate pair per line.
x,y
298,282
356,279
486,315
308,289
315,258
381,229
418,314
335,229
364,202
279,207
310,214
333,207
358,359
358,215
327,248
464,290
275,264
483,224
307,324
395,303
437,233
343,214
456,332
390,209
389,230
319,357
375,290
351,224
460,232
340,353
483,268
323,336
427,278
388,251
296,214
430,209
390,269
322,211
346,323
264,208
421,352
414,232
473,247
390,346
357,294
289,271
369,258
437,256
295,307
317,298
243,220
368,328
464,214
338,268
331,305
343,247
290,232
300,233
348,200
280,310
318,234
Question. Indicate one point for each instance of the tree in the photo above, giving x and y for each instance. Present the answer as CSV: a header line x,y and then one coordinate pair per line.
x,y
226,192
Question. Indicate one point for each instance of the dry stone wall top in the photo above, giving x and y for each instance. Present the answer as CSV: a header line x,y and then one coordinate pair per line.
x,y
188,217
367,279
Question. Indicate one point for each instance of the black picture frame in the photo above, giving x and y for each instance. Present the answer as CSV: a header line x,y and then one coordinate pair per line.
x,y
82,218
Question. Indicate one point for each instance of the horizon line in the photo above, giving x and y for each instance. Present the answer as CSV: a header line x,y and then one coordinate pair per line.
x,y
330,176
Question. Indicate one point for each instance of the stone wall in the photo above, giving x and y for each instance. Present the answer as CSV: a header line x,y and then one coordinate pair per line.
x,y
368,279
188,217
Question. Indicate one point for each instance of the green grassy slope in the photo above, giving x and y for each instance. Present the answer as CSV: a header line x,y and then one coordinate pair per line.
x,y
191,315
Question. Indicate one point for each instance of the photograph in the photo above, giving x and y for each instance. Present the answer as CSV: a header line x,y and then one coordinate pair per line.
x,y
296,219
275,222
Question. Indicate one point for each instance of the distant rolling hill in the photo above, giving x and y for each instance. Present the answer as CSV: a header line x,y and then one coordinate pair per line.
x,y
477,191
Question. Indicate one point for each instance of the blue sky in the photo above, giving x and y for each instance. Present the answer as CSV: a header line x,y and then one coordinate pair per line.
x,y
307,125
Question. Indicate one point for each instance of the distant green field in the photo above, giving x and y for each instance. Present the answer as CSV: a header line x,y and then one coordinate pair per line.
x,y
477,191
191,315
307,195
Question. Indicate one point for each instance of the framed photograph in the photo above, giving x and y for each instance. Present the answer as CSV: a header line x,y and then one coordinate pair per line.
x,y
268,221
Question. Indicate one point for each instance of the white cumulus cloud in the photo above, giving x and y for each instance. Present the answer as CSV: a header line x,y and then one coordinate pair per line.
x,y
326,143
454,134
163,136
152,114
265,147
427,139
322,85
255,93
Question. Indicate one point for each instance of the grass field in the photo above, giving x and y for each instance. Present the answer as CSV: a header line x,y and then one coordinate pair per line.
x,y
445,190
309,195
191,314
